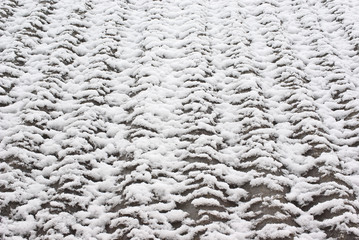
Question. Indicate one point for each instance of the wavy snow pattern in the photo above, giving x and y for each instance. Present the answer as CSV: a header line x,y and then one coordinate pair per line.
x,y
198,119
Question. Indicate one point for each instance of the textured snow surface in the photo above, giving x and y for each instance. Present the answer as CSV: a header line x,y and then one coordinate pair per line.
x,y
179,119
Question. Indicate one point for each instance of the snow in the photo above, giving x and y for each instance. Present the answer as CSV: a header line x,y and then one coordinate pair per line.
x,y
179,119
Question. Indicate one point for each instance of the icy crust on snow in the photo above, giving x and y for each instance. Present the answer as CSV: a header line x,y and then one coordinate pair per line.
x,y
179,119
